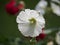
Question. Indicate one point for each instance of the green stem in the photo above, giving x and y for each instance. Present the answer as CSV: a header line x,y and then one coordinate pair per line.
x,y
33,41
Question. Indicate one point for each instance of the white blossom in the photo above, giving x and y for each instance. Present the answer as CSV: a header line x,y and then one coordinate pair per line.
x,y
57,1
30,23
50,43
41,6
58,38
55,9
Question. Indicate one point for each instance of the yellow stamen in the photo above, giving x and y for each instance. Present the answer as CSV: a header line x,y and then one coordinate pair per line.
x,y
32,20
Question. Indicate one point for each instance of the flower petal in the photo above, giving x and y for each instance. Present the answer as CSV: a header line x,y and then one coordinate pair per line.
x,y
26,29
58,1
56,9
41,6
22,17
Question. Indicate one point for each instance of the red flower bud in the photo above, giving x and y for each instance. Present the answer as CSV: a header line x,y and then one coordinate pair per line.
x,y
11,8
41,36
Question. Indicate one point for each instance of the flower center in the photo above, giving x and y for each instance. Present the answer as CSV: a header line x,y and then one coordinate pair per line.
x,y
32,21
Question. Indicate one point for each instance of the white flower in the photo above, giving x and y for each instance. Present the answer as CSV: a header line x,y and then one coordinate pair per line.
x,y
55,8
58,37
50,43
57,1
41,6
30,23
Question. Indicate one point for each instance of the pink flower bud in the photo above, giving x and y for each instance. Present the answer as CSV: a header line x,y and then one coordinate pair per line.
x,y
21,5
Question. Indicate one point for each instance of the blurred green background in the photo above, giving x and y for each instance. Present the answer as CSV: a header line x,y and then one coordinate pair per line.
x,y
8,25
